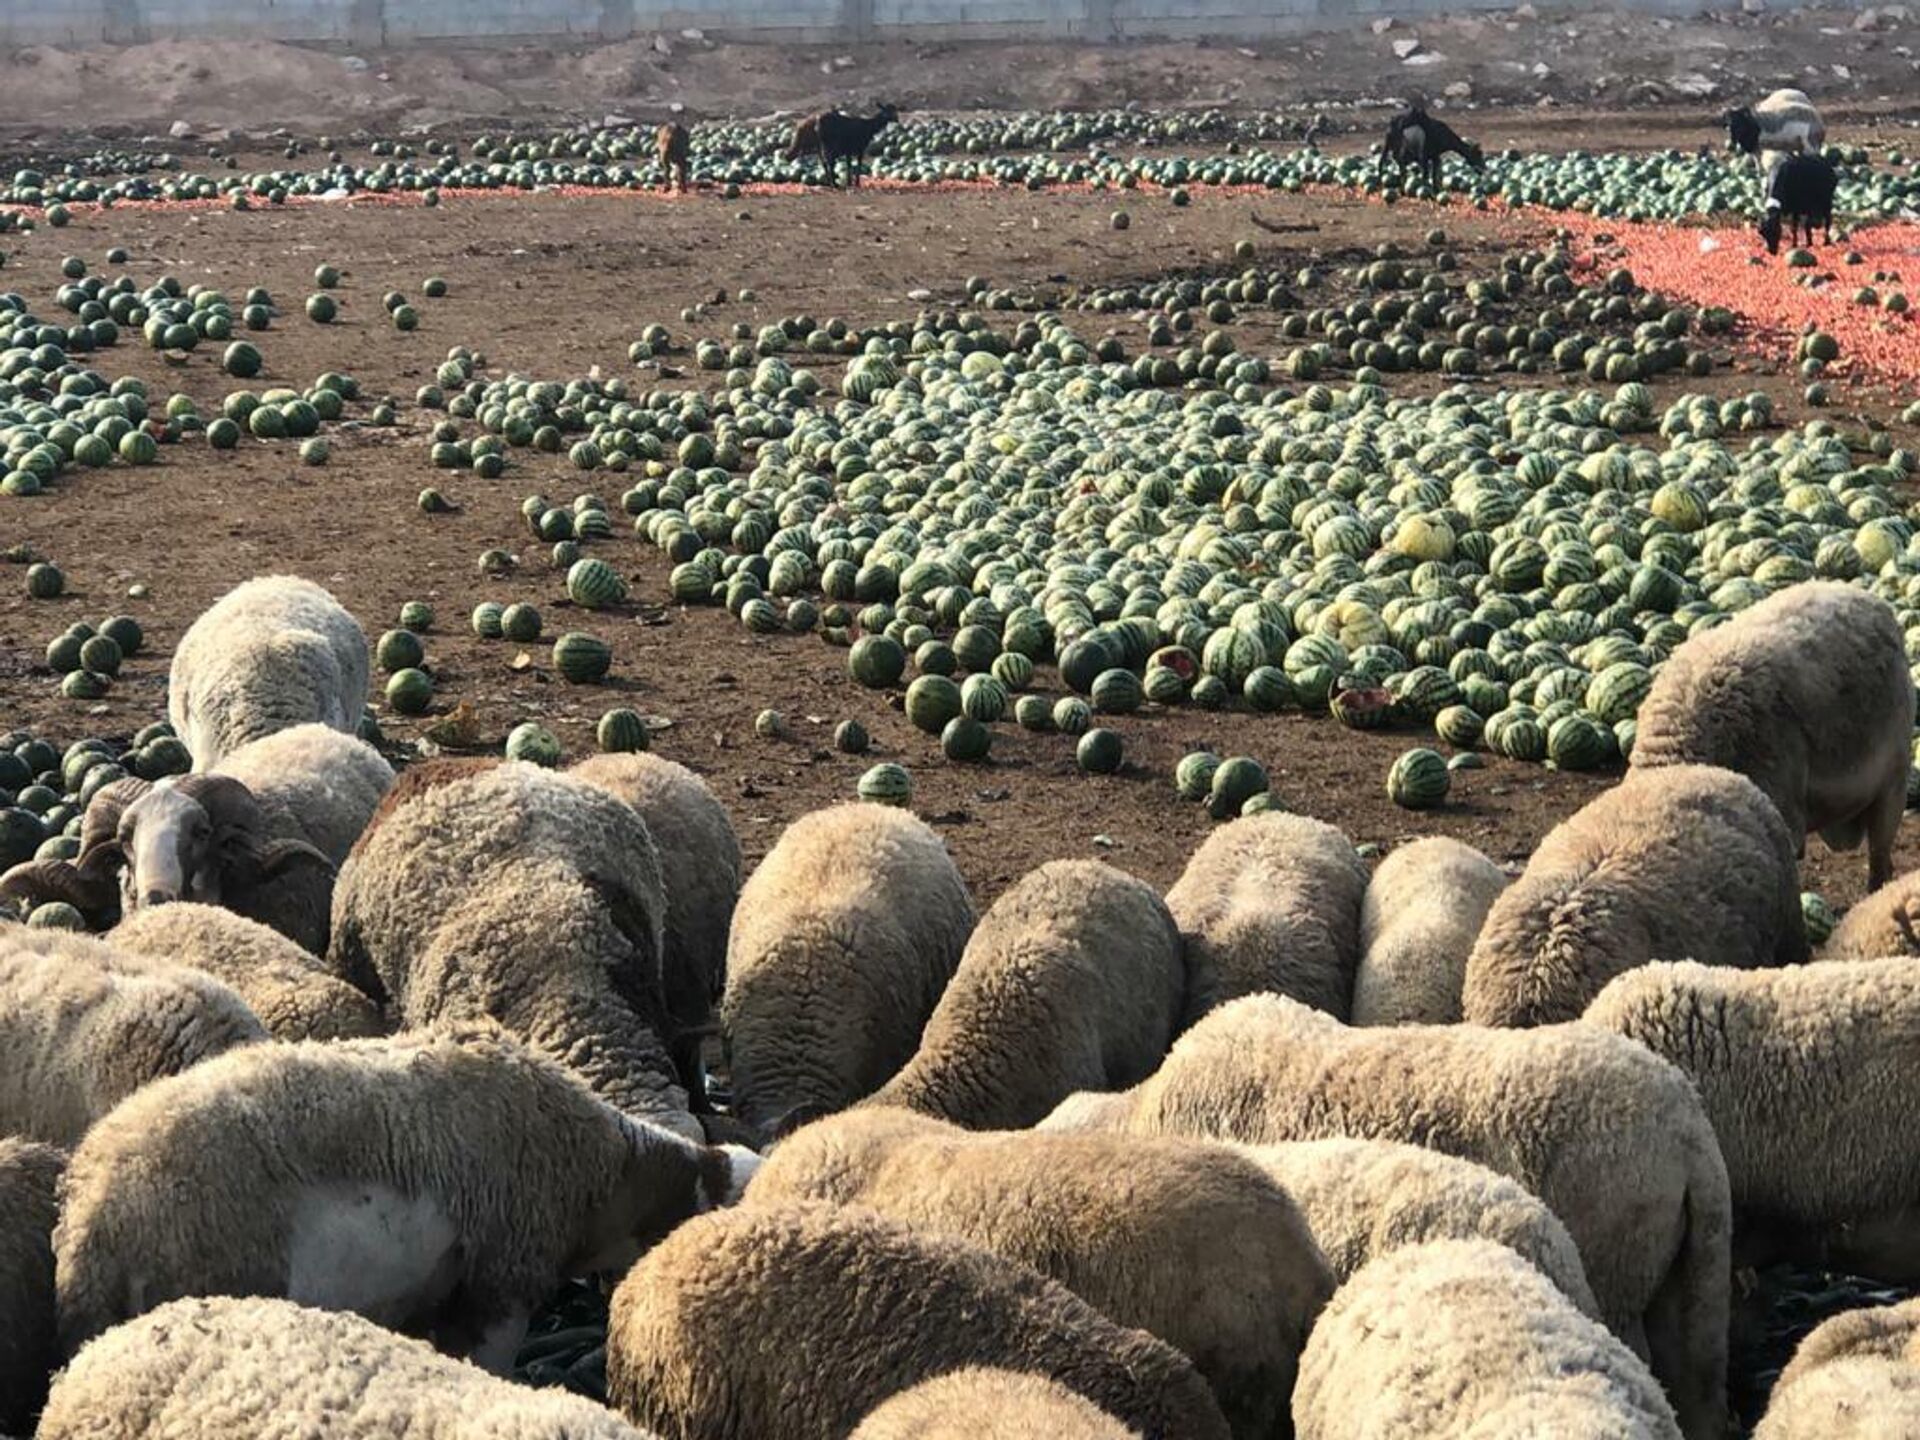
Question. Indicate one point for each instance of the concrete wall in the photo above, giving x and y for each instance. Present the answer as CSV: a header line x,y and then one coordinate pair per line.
x,y
369,24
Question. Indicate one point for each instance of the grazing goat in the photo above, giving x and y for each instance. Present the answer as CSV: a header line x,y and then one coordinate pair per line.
x,y
1415,138
1800,191
672,143
837,137
1785,123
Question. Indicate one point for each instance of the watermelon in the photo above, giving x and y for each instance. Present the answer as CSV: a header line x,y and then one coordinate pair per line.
x,y
44,581
1232,655
877,661
965,738
770,725
520,622
1418,780
533,743
975,646
1013,670
84,685
1459,726
1363,708
1033,712
55,915
410,691
1099,752
399,650
417,616
935,657
487,622
886,784
1616,691
1523,739
582,658
101,654
1209,692
622,731
1575,742
1267,688
1163,685
1087,658
933,700
1072,715
850,738
1818,915
983,698
1193,776
594,584
1235,781
1116,692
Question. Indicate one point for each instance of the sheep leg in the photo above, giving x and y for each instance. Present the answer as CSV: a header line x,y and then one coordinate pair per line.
x,y
1686,1323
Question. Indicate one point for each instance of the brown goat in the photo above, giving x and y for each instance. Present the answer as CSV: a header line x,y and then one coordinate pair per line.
x,y
672,144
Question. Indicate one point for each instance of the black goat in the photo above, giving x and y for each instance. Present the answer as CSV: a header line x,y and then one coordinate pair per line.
x,y
839,137
1415,138
1799,191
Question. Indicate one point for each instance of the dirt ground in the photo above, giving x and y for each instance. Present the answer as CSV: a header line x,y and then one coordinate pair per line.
x,y
554,287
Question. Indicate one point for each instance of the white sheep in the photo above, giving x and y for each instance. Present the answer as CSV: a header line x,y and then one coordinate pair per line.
x,y
1463,1338
843,940
700,867
367,1175
29,1204
1809,1076
1682,860
1072,981
1856,1376
1423,910
983,1403
1611,1137
1185,1240
1809,695
83,1026
1785,123
1885,923
216,1368
1271,902
274,652
508,892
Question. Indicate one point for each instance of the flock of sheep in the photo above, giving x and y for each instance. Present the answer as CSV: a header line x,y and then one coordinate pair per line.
x,y
364,1066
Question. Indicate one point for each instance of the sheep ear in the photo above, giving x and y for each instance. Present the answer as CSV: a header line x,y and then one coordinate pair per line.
x,y
277,856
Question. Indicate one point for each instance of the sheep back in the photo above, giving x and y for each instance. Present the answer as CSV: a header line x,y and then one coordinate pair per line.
x,y
315,783
84,1026
1808,694
1073,980
274,652
1422,912
1685,860
1463,1337
842,1309
1885,923
29,1205
841,944
981,1403
1855,1376
207,1369
288,989
1271,902
1187,1241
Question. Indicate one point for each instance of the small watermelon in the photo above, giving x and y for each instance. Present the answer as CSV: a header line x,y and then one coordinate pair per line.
x,y
622,731
966,738
594,584
45,581
399,650
410,691
1193,776
1116,692
850,738
1099,752
1267,688
533,743
877,661
1234,782
520,622
487,620
1209,692
1418,780
984,698
933,700
887,784
1818,915
417,616
1362,709
1072,715
770,725
1033,712
582,658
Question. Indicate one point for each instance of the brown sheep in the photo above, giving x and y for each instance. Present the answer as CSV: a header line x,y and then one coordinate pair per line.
x,y
1885,923
673,144
1072,982
1188,1241
798,1320
1679,862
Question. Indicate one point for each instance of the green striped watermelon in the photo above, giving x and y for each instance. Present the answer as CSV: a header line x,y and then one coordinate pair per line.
x,y
582,658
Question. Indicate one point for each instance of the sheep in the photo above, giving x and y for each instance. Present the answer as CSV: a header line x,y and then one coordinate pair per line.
x,y
531,898
366,1175
1683,860
700,869
274,652
1189,1242
1808,695
1271,902
1808,1076
1800,191
797,1320
673,144
1856,1376
840,138
261,834
29,1205
1423,910
841,944
289,990
982,1403
209,1368
1785,123
1073,981
1613,1139
1463,1338
1422,142
83,1026
1887,922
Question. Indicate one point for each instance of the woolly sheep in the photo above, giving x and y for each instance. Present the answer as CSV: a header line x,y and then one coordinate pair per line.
x,y
797,1320
1856,1376
1186,1241
842,942
214,1368
1613,1139
1807,694
700,868
1271,902
287,989
1785,123
366,1175
527,897
29,1179
1809,1077
1464,1338
1887,922
981,1403
1685,860
83,1026
274,652
1073,981
1423,910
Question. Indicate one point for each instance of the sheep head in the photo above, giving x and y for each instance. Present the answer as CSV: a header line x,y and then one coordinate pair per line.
x,y
89,881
